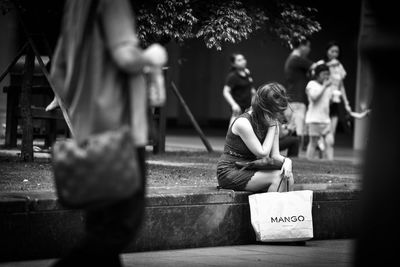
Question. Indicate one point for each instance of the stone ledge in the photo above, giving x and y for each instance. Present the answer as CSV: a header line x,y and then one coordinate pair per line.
x,y
35,225
20,201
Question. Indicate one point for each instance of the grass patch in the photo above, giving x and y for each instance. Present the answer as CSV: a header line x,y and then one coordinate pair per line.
x,y
178,168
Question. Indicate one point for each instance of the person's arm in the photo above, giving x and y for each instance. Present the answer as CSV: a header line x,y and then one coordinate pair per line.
x,y
342,72
287,166
243,128
305,64
120,35
275,152
253,92
313,66
344,97
228,97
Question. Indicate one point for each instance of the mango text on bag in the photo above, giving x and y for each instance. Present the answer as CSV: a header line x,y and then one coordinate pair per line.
x,y
299,218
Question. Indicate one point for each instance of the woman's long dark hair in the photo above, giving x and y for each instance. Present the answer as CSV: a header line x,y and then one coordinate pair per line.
x,y
271,100
328,46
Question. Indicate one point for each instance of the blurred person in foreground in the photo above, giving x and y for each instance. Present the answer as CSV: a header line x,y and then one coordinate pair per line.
x,y
101,34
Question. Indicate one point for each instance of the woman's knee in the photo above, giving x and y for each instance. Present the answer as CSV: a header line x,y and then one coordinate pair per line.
x,y
276,182
275,177
262,180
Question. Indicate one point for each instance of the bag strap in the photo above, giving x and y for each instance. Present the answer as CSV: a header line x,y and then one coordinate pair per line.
x,y
287,185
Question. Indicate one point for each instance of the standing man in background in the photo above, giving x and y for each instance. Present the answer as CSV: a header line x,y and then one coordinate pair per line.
x,y
296,70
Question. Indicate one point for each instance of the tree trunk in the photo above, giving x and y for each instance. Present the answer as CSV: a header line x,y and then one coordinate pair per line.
x,y
26,97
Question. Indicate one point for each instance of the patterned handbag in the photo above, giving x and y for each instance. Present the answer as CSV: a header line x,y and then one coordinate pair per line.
x,y
101,171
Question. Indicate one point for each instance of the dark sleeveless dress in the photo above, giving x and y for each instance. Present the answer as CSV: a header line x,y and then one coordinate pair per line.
x,y
228,175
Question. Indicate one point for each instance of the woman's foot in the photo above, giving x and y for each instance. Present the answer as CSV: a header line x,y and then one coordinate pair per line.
x,y
53,105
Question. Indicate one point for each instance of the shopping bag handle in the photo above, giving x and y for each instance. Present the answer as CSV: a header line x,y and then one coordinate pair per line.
x,y
287,185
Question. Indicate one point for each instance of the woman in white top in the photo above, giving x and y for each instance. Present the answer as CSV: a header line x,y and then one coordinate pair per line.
x,y
337,75
319,93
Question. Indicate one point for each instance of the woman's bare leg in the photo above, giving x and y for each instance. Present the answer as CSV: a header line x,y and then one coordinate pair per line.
x,y
265,181
329,144
334,123
312,145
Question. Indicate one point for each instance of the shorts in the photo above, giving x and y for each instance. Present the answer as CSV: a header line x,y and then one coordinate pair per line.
x,y
334,110
318,129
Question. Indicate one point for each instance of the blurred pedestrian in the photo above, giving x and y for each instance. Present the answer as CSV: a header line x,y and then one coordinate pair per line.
x,y
337,76
239,89
319,92
297,74
101,35
339,96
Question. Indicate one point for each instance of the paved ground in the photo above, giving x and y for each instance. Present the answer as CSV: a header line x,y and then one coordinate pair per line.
x,y
323,253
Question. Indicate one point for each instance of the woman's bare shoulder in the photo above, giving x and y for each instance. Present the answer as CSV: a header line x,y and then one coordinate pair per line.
x,y
241,125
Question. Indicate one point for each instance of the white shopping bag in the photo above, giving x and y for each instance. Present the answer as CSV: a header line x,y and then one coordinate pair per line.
x,y
282,217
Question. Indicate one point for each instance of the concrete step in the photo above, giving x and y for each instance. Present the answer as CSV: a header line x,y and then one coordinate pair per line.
x,y
33,225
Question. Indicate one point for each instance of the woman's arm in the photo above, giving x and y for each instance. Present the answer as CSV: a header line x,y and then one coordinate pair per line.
x,y
228,97
275,153
243,128
287,166
120,35
344,97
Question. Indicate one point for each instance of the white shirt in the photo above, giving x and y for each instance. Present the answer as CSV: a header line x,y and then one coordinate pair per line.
x,y
319,100
338,73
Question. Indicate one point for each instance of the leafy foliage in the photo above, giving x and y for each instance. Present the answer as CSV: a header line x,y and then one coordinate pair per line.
x,y
294,22
162,21
215,21
228,22
223,21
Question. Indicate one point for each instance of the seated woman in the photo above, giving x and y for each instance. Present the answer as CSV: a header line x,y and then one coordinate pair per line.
x,y
255,134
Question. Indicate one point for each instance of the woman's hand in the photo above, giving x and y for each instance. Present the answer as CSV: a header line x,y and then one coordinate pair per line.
x,y
326,83
286,170
156,54
271,122
236,110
